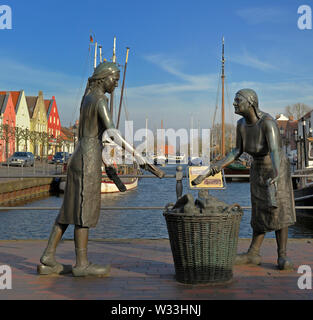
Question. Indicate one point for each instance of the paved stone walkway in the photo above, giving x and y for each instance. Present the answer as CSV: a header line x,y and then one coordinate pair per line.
x,y
144,270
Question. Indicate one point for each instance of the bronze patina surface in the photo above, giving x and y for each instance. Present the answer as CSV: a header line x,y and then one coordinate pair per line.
x,y
81,204
270,179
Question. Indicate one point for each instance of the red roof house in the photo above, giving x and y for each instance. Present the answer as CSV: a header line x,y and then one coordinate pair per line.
x,y
54,123
7,126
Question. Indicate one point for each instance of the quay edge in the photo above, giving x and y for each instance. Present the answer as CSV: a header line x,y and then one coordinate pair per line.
x,y
23,189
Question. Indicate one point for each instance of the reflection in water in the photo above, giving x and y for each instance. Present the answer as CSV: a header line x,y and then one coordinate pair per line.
x,y
19,224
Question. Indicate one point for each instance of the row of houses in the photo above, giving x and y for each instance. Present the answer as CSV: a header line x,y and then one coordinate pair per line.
x,y
31,123
288,128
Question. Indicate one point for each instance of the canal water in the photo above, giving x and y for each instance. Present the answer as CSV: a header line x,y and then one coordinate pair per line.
x,y
28,224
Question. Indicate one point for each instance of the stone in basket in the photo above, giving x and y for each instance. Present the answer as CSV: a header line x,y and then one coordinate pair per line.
x,y
203,236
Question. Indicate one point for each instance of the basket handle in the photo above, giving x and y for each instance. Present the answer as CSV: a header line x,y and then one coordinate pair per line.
x,y
235,205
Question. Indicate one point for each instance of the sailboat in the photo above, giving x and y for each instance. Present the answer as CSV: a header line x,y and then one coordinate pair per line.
x,y
239,167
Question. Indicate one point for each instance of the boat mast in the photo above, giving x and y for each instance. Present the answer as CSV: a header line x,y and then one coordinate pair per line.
x,y
95,56
146,136
223,102
122,90
100,53
162,139
114,61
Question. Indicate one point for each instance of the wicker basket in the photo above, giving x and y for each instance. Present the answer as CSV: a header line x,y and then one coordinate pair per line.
x,y
204,245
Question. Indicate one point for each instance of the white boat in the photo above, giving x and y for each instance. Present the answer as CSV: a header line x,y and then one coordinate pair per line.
x,y
176,158
108,186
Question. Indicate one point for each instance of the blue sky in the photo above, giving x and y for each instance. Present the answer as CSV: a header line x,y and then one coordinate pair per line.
x,y
174,61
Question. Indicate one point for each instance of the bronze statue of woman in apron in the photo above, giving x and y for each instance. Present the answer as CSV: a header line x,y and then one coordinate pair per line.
x,y
270,180
81,204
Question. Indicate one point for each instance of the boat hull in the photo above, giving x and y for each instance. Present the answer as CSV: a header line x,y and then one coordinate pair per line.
x,y
110,187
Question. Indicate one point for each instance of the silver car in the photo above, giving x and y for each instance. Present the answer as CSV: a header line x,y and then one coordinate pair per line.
x,y
22,159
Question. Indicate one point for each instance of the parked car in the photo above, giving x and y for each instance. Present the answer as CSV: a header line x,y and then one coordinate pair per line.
x,y
22,159
60,157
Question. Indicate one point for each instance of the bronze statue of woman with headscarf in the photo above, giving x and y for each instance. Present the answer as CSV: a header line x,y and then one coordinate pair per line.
x,y
81,204
270,179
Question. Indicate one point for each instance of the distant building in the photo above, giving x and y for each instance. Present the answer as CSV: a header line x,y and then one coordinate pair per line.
x,y
38,124
74,129
53,124
292,134
7,126
288,128
305,140
66,140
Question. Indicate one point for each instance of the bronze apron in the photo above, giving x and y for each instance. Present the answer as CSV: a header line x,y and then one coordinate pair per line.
x,y
82,195
263,217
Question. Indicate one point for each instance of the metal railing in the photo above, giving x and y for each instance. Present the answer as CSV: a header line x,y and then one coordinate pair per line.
x,y
178,176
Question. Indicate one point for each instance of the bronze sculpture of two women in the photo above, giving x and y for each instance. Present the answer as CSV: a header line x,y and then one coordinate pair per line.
x,y
257,134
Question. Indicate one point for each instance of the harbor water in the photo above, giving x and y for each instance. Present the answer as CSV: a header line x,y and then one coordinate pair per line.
x,y
121,224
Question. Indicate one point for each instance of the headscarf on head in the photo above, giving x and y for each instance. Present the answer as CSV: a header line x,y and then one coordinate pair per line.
x,y
103,70
251,96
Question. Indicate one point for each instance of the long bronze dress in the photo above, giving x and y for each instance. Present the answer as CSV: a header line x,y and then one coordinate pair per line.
x,y
263,217
82,198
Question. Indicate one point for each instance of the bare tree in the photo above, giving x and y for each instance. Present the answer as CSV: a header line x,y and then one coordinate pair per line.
x,y
25,136
33,138
44,138
60,143
297,110
19,135
7,134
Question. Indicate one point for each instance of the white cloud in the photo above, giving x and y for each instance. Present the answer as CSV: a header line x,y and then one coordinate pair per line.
x,y
249,60
258,15
188,82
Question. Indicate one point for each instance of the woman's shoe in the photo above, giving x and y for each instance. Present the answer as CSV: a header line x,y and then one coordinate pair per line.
x,y
91,269
284,263
57,269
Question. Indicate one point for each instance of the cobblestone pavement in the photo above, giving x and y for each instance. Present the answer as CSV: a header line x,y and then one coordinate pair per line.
x,y
144,270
